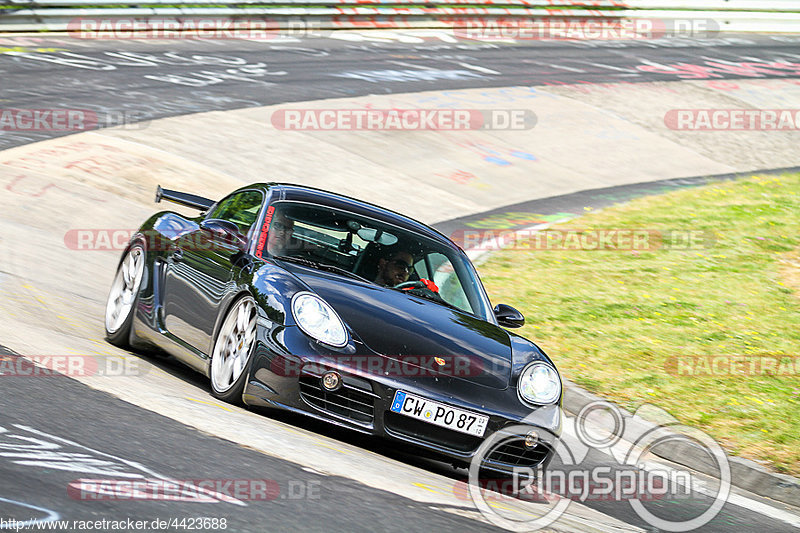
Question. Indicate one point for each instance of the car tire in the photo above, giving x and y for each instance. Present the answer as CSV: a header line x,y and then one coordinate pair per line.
x,y
123,297
233,348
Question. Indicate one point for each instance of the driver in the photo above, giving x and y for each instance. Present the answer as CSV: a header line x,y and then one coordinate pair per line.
x,y
394,268
280,233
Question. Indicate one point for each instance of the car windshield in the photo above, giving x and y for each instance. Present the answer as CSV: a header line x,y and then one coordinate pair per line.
x,y
375,251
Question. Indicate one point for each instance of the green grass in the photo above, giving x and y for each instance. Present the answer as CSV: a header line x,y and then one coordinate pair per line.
x,y
613,320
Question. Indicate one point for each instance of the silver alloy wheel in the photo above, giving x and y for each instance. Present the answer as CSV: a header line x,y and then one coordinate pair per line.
x,y
124,289
233,345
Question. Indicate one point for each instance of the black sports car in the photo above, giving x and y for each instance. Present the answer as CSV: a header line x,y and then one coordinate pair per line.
x,y
295,298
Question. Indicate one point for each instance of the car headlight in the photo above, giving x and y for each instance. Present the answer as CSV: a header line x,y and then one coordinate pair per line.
x,y
539,383
317,319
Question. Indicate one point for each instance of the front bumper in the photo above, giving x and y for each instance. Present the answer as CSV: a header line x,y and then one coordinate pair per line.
x,y
285,374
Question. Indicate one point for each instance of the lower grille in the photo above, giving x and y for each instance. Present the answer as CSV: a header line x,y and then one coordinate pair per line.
x,y
354,401
515,454
423,431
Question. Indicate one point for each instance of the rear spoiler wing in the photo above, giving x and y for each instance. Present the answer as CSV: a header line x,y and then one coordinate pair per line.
x,y
182,198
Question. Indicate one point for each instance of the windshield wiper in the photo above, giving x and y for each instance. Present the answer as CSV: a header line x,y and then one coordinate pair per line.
x,y
342,271
321,266
298,260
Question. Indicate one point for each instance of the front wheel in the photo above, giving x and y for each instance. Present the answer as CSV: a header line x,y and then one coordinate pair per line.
x,y
232,351
122,297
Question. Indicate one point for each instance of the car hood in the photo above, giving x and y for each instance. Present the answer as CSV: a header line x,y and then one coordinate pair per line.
x,y
407,328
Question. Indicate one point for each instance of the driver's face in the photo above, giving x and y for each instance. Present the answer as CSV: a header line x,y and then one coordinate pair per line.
x,y
398,268
279,232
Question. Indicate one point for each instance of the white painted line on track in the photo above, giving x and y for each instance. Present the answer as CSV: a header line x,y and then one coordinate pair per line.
x,y
480,69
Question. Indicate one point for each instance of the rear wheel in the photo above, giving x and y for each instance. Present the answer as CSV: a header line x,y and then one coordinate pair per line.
x,y
123,296
232,350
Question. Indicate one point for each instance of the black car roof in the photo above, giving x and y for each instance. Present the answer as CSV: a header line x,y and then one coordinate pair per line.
x,y
302,193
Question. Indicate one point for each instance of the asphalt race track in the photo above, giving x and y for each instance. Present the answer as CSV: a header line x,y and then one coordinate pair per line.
x,y
164,78
163,424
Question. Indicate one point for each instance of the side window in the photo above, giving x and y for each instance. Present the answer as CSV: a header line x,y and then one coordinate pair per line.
x,y
445,277
240,208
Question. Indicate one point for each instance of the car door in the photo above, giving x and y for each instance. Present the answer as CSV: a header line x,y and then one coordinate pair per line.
x,y
200,268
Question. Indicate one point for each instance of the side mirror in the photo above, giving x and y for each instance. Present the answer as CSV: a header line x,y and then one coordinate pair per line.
x,y
226,232
508,317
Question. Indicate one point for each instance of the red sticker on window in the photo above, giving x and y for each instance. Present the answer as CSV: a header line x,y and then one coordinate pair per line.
x,y
262,240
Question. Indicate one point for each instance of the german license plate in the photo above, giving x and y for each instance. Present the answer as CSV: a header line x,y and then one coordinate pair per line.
x,y
439,414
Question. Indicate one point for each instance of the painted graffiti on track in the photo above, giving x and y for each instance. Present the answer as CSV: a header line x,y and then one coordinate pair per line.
x,y
27,446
